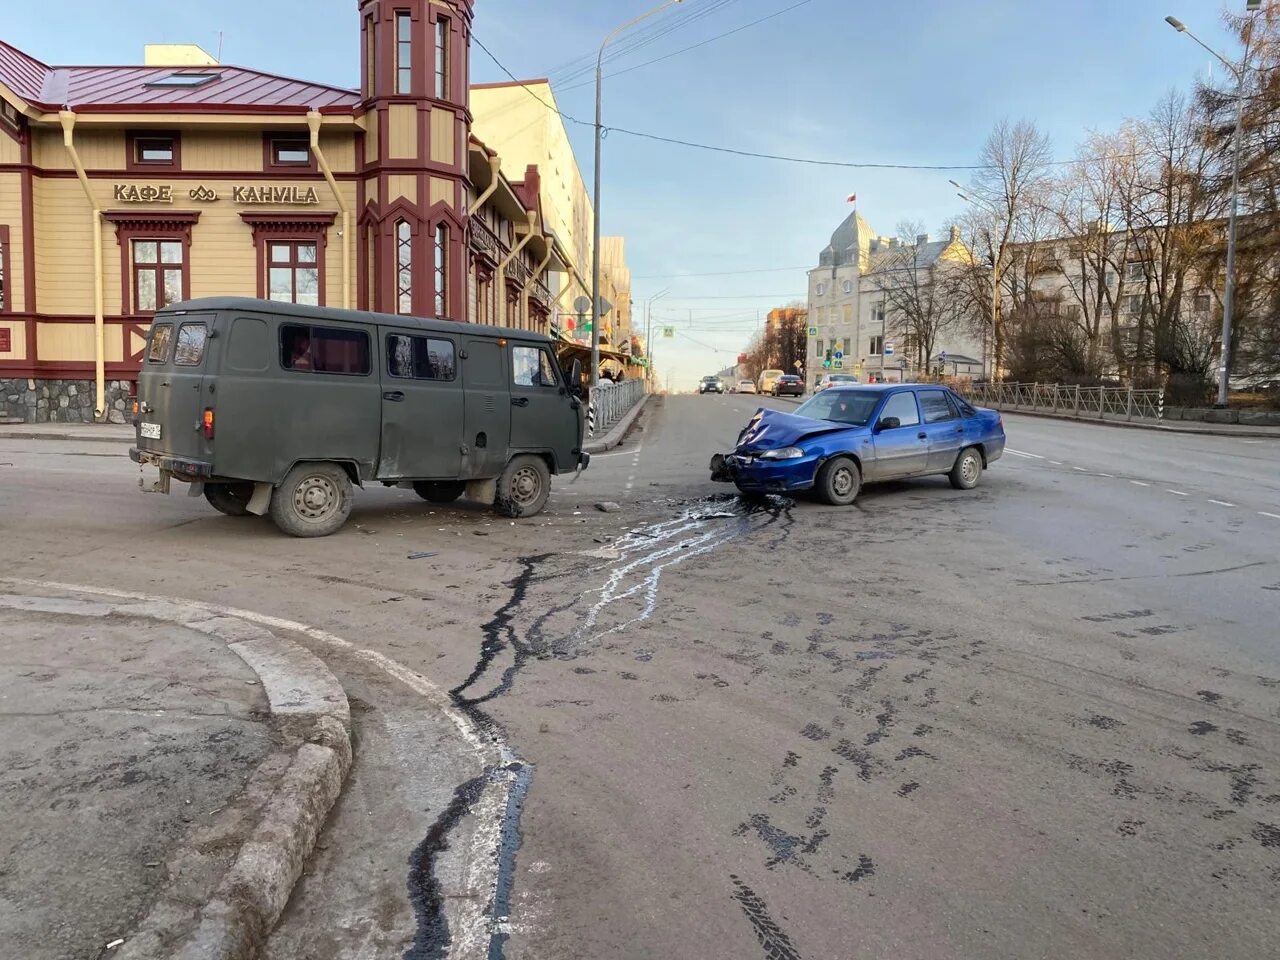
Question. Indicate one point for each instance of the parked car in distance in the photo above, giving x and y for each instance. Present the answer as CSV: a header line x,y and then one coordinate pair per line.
x,y
766,380
746,386
788,385
834,380
279,408
844,437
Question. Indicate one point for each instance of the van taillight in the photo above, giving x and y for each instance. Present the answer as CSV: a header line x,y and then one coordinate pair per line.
x,y
207,423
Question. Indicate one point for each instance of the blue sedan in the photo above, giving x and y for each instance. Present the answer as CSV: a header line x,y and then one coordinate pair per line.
x,y
847,436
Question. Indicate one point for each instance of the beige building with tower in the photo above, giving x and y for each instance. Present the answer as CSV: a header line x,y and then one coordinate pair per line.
x,y
126,189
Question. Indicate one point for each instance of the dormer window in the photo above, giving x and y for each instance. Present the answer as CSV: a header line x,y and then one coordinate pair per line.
x,y
154,150
287,151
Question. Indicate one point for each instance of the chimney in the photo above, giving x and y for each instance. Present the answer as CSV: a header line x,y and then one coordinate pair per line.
x,y
921,239
177,55
955,234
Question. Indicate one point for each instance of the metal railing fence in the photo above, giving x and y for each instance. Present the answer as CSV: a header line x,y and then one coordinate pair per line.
x,y
1068,400
608,403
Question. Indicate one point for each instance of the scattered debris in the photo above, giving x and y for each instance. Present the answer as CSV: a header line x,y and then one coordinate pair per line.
x,y
608,506
421,556
115,943
481,533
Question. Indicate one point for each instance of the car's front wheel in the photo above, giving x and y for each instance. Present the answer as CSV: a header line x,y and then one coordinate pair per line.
x,y
838,482
523,487
967,470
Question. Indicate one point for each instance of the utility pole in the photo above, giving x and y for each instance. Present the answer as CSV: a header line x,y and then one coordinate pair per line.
x,y
595,214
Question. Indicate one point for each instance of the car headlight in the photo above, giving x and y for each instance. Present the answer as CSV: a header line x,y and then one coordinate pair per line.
x,y
784,453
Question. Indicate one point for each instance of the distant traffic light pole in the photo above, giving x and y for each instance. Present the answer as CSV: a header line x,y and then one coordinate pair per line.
x,y
648,328
1229,288
595,251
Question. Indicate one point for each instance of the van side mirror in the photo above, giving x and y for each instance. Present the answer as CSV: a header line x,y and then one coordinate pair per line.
x,y
888,423
575,378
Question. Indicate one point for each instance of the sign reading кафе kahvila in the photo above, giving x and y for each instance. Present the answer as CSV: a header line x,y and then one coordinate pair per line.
x,y
247,194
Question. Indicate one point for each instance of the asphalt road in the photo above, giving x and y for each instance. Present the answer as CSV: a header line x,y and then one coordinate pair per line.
x,y
1035,719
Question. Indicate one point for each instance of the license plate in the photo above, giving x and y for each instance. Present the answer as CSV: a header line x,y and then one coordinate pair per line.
x,y
149,431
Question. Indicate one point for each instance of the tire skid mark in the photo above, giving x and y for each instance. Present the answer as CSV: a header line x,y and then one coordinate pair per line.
x,y
777,945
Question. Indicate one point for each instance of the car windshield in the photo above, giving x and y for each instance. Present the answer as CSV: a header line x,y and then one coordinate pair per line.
x,y
841,406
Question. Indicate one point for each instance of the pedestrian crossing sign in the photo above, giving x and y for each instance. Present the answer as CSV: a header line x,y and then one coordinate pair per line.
x,y
813,331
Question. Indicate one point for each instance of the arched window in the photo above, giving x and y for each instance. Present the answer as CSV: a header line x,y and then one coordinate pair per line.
x,y
442,269
404,267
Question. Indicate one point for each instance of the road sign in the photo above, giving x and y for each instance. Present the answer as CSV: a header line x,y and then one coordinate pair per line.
x,y
838,355
888,349
838,364
813,331
797,364
582,305
668,333
838,347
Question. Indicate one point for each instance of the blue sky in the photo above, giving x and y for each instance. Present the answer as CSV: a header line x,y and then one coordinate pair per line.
x,y
849,80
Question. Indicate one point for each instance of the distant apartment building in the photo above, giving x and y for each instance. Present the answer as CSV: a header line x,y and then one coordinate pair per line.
x,y
852,314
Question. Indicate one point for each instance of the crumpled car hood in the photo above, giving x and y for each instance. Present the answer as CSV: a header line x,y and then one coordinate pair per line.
x,y
770,429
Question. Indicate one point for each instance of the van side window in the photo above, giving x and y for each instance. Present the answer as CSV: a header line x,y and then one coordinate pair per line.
x,y
324,350
532,367
190,349
420,358
161,338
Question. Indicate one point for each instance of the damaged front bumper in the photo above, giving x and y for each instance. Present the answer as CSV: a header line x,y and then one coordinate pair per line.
x,y
751,474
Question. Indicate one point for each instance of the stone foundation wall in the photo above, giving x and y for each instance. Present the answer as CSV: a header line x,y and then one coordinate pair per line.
x,y
60,401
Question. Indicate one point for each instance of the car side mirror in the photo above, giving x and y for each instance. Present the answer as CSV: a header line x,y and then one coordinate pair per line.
x,y
888,423
575,378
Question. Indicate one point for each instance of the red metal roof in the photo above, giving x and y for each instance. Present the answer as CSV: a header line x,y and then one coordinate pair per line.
x,y
102,89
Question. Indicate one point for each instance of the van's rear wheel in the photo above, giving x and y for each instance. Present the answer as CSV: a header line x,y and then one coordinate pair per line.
x,y
523,487
313,501
229,498
439,491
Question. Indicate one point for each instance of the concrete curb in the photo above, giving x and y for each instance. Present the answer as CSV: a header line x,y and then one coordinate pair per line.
x,y
56,435
1163,427
315,717
619,430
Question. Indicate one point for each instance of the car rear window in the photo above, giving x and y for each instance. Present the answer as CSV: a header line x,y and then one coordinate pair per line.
x,y
330,350
161,338
190,349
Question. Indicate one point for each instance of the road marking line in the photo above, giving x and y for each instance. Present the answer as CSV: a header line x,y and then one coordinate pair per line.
x,y
1020,453
1273,516
1056,463
1178,493
1137,483
1081,469
1109,476
1222,503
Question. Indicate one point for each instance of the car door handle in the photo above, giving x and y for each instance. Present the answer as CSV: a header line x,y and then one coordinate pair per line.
x,y
519,401
395,396
922,436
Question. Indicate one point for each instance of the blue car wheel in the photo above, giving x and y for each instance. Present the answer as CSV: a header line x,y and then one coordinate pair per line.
x,y
838,482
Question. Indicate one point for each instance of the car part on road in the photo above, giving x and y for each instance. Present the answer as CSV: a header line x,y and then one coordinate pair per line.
x,y
313,501
523,487
964,475
439,491
838,481
229,498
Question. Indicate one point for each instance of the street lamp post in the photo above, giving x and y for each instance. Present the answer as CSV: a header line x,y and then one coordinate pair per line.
x,y
648,327
1229,288
595,251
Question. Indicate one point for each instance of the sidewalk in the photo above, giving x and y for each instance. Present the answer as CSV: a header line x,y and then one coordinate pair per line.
x,y
146,747
1166,426
107,432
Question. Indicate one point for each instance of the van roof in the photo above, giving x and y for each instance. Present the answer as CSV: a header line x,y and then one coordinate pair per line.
x,y
301,311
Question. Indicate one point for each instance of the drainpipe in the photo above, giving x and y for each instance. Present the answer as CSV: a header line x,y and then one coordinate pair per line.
x,y
68,121
515,252
533,278
495,163
314,120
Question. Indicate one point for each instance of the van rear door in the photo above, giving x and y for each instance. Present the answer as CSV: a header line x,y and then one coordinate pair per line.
x,y
172,387
422,406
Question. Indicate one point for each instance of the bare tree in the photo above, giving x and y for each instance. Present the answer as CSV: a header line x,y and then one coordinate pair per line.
x,y
1009,192
919,304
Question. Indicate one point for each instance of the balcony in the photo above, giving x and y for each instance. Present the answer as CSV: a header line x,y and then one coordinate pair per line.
x,y
484,240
